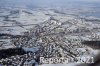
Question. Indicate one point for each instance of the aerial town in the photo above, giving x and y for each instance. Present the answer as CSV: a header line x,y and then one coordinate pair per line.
x,y
26,35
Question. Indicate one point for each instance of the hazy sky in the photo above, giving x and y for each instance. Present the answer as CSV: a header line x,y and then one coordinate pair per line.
x,y
49,2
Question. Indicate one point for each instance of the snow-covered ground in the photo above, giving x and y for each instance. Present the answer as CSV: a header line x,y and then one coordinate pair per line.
x,y
47,30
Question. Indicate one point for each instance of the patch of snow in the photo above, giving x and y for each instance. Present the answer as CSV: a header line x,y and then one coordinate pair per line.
x,y
31,49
